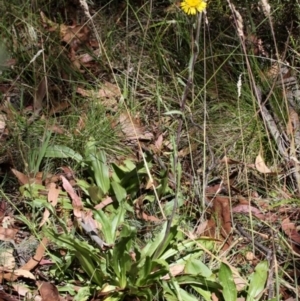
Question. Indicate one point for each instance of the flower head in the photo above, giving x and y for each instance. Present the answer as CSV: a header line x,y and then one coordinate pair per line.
x,y
191,7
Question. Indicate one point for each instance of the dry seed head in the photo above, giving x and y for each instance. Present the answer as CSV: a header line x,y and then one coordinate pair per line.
x,y
266,8
238,19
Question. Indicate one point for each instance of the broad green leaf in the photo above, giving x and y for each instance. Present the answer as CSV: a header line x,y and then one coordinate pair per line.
x,y
89,264
32,190
121,261
98,164
95,194
170,296
171,290
163,187
185,296
84,185
83,294
160,268
110,223
206,294
70,289
94,273
129,164
106,228
166,244
129,176
62,151
258,281
226,279
108,288
168,208
151,246
85,253
119,172
150,198
115,297
187,246
198,281
119,191
197,267
145,293
144,271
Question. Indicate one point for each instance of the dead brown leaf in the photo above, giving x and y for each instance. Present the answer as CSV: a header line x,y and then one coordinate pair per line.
x,y
187,150
87,58
3,207
68,172
3,119
34,261
158,143
175,270
80,124
22,290
260,165
8,222
255,212
56,129
290,229
7,259
293,122
142,215
23,179
108,94
247,209
74,36
10,62
48,291
53,194
6,297
7,234
132,129
76,200
87,218
39,95
108,90
108,200
24,273
221,211
227,160
59,107
201,228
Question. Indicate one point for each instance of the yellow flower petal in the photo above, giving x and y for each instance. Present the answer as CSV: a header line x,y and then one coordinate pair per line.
x,y
191,7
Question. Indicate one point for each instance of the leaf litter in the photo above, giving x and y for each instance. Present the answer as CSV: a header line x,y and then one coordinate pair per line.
x,y
223,204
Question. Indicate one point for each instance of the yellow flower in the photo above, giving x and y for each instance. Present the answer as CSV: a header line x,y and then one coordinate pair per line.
x,y
191,7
